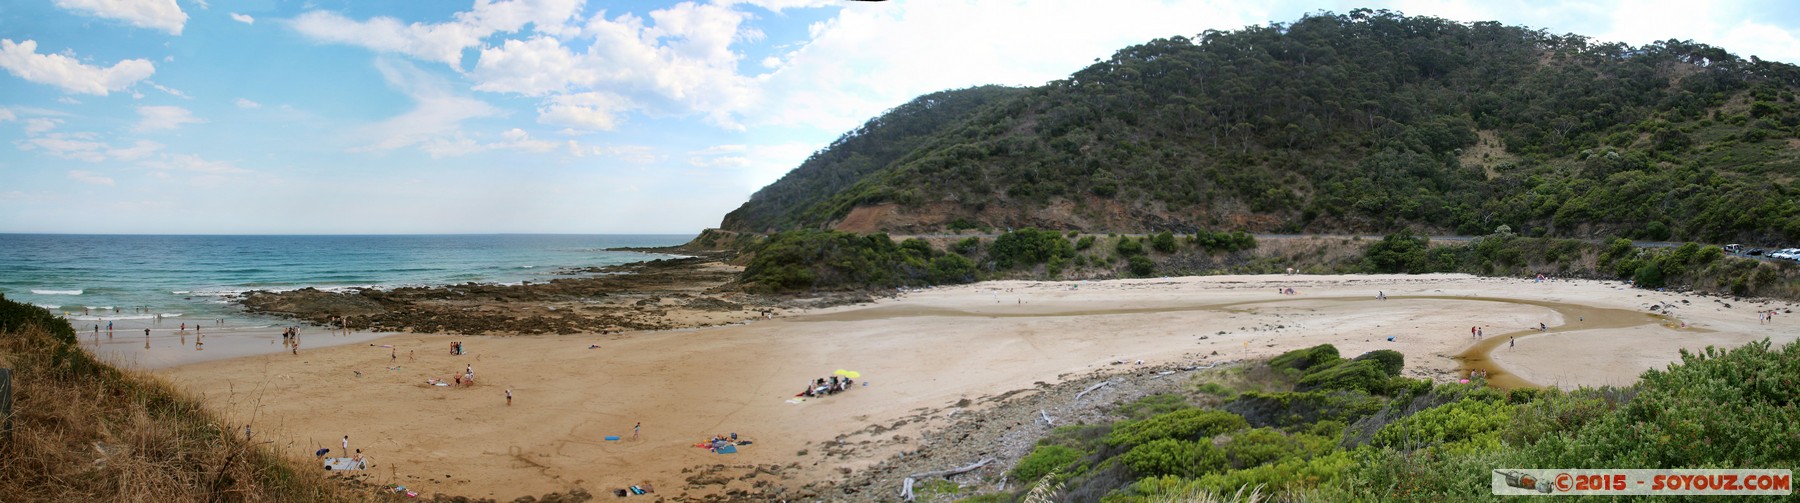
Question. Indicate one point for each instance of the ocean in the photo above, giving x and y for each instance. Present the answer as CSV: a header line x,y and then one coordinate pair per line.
x,y
128,282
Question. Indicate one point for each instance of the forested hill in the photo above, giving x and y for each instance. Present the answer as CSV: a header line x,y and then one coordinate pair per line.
x,y
1363,122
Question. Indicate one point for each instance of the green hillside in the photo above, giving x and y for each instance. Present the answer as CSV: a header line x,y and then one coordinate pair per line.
x,y
1364,122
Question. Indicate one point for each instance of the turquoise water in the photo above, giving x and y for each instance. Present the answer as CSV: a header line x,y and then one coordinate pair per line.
x,y
118,278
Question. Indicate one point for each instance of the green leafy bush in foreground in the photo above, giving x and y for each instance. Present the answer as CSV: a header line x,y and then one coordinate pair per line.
x,y
1183,424
1044,460
1168,456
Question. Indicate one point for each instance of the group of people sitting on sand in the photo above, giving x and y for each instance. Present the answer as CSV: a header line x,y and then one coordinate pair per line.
x,y
823,387
1290,291
722,440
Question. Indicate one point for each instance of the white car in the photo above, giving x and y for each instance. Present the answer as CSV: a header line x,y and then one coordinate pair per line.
x,y
1786,253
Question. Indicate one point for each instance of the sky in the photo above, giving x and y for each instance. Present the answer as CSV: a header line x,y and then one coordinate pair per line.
x,y
562,116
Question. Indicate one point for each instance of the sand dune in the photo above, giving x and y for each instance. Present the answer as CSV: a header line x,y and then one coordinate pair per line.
x,y
920,354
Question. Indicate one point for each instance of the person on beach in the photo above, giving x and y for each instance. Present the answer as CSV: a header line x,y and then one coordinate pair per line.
x,y
146,333
634,430
347,443
1511,342
509,396
1478,334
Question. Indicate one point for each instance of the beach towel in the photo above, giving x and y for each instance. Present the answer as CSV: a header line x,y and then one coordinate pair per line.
x,y
344,464
726,449
612,437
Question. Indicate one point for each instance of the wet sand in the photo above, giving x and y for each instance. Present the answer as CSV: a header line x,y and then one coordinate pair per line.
x,y
920,355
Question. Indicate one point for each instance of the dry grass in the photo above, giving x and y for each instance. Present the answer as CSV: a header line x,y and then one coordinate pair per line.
x,y
84,431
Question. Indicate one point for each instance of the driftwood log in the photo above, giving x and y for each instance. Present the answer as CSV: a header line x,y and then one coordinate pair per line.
x,y
1091,388
907,485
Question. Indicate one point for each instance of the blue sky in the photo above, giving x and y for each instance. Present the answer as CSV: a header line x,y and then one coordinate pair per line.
x,y
559,116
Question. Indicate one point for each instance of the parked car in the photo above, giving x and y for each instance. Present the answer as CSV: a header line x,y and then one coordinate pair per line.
x,y
1734,248
1754,252
1786,253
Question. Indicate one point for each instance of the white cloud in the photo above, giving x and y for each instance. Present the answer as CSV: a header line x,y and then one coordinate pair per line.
x,y
67,146
441,42
728,161
194,164
22,59
67,100
154,14
593,111
634,154
89,177
156,118
137,150
40,125
512,139
1734,26
6,115
435,119
243,18
436,42
678,61
168,90
247,104
873,57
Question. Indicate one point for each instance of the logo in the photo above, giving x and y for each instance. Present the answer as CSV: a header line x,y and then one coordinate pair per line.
x,y
1527,482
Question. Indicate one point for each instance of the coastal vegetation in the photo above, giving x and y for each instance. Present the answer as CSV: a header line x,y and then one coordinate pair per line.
x,y
1382,437
82,430
1362,122
825,260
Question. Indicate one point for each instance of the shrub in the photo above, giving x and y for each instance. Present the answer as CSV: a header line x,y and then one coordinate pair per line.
x,y
952,269
1258,446
1364,375
1294,408
1044,460
1153,405
1028,247
1465,420
967,246
1391,361
1129,247
1399,252
1141,266
1084,243
1303,359
1164,242
1184,424
1169,456
1648,276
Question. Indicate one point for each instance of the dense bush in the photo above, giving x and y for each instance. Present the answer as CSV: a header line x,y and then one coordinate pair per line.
x,y
1392,362
1360,375
1290,408
1168,456
1045,459
1141,266
1185,424
1304,359
1400,252
1153,405
1028,247
1475,421
1163,243
1129,247
807,260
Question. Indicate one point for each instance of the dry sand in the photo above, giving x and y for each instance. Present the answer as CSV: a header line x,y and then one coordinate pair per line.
x,y
919,355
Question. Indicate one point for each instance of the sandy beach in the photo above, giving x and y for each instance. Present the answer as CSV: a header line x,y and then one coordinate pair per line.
x,y
921,355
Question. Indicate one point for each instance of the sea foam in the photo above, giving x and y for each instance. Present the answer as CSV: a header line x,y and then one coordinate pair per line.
x,y
57,292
